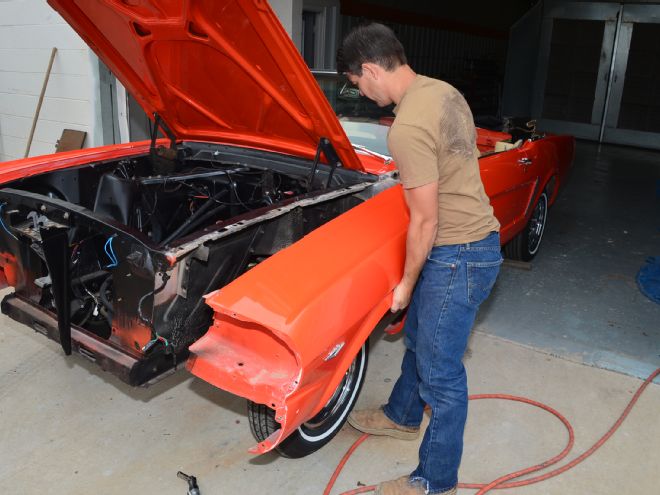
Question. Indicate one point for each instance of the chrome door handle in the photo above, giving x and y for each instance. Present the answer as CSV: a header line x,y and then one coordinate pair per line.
x,y
525,161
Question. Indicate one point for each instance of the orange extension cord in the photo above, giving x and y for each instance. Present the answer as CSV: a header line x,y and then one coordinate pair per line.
x,y
500,483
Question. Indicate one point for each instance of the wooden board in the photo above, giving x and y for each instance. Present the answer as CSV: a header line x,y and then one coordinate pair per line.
x,y
70,140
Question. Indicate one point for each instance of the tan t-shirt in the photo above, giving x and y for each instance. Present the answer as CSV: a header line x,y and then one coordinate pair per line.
x,y
433,138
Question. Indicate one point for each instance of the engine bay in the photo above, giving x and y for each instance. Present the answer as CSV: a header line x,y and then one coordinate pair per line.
x,y
167,207
116,256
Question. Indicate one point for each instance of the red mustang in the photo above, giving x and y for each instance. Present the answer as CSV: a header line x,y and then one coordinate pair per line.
x,y
254,242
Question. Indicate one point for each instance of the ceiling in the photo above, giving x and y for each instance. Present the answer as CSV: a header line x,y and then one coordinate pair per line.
x,y
491,19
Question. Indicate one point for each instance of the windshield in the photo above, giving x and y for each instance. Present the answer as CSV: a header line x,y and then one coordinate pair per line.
x,y
365,123
371,136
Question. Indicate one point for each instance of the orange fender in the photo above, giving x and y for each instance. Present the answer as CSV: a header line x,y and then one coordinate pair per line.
x,y
286,331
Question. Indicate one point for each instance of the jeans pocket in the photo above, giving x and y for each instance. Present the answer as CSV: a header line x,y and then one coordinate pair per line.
x,y
481,278
442,259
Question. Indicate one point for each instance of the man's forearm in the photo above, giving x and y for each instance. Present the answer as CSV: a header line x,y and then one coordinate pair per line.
x,y
419,242
422,229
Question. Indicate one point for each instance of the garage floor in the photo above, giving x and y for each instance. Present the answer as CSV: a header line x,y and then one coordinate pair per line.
x,y
67,427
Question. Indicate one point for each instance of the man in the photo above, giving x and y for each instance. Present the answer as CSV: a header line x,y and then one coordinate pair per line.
x,y
452,254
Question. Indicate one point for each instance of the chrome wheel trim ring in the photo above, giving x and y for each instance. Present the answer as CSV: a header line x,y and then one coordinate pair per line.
x,y
335,402
537,224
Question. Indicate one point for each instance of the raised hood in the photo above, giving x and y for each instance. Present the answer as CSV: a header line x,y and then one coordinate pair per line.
x,y
214,70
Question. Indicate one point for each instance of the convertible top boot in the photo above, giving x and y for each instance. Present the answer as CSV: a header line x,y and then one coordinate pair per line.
x,y
374,422
406,486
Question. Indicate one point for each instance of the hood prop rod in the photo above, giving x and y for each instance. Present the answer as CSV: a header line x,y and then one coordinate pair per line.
x,y
160,123
331,156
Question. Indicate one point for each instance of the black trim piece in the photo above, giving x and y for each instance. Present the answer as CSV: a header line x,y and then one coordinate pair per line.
x,y
312,172
55,244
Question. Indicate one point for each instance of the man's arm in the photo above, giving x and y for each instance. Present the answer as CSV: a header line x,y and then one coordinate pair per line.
x,y
423,205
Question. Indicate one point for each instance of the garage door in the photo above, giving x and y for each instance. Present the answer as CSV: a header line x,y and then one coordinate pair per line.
x,y
598,75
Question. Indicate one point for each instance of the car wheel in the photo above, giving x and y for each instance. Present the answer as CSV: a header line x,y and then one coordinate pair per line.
x,y
319,430
526,244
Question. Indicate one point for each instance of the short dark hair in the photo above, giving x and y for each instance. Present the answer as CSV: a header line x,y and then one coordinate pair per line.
x,y
375,43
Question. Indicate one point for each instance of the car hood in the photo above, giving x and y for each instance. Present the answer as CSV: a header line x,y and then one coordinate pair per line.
x,y
213,70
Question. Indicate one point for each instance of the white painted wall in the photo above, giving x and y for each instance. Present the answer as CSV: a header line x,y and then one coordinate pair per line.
x,y
28,31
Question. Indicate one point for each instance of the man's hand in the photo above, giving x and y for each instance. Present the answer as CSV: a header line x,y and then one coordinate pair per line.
x,y
401,297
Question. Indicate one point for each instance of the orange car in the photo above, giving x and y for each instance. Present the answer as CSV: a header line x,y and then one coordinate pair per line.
x,y
255,243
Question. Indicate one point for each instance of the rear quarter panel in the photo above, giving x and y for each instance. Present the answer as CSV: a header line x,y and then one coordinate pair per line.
x,y
509,186
514,189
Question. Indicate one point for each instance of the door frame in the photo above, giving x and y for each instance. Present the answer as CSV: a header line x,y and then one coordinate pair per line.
x,y
631,14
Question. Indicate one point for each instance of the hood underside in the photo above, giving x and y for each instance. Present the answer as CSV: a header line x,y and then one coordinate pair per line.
x,y
214,70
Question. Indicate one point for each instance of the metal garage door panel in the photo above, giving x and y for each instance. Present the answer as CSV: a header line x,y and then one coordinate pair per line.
x,y
571,81
633,112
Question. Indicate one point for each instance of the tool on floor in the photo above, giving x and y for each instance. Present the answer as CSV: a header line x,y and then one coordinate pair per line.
x,y
193,489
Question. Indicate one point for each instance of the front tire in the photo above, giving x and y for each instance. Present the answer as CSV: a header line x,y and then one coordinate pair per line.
x,y
526,244
319,430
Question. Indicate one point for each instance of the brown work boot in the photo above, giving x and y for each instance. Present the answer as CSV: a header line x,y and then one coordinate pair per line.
x,y
374,422
404,486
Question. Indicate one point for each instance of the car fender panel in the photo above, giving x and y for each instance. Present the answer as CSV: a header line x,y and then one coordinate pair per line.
x,y
257,363
300,316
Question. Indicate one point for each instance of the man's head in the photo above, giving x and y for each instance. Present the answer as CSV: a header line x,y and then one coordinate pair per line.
x,y
369,56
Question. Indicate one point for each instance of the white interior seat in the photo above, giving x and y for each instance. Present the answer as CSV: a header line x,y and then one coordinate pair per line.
x,y
505,145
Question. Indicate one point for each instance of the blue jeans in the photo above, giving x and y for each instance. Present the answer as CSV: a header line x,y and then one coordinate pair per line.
x,y
455,280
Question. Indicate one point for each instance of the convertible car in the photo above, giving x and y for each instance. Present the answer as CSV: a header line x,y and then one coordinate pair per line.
x,y
250,239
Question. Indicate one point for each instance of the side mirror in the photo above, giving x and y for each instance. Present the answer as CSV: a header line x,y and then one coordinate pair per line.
x,y
348,92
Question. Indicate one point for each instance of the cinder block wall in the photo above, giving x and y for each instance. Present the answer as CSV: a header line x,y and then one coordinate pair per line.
x,y
28,31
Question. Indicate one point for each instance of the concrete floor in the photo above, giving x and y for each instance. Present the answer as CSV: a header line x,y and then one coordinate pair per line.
x,y
67,427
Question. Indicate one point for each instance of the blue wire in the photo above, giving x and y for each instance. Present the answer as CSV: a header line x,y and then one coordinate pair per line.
x,y
110,252
115,262
2,222
105,248
113,254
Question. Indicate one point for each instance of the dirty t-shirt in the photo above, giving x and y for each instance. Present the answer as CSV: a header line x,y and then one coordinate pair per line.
x,y
433,138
